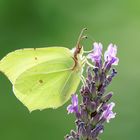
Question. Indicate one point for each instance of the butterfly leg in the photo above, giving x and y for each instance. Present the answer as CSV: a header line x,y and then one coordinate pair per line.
x,y
89,64
88,51
85,61
83,80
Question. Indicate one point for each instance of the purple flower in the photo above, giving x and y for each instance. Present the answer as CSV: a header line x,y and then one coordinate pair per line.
x,y
73,108
110,55
108,113
96,55
94,109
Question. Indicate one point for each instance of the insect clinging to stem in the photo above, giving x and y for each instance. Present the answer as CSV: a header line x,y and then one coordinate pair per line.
x,y
44,77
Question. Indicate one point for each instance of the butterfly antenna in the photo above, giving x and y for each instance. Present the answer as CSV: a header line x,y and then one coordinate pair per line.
x,y
81,37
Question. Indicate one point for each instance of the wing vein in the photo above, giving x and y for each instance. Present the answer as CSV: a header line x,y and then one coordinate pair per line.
x,y
35,73
66,82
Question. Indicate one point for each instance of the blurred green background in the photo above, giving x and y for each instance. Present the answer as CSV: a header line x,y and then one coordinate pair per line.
x,y
41,23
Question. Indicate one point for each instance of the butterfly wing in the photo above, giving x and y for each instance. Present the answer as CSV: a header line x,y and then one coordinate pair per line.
x,y
15,63
48,85
45,82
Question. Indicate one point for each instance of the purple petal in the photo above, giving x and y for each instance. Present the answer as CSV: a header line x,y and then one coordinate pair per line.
x,y
70,109
110,106
110,55
116,61
96,55
73,108
74,100
108,113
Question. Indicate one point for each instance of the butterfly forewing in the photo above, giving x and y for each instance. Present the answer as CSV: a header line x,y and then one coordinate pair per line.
x,y
17,62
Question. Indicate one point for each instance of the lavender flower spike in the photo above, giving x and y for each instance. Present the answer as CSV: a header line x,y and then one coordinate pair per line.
x,y
110,55
94,109
73,108
108,113
96,55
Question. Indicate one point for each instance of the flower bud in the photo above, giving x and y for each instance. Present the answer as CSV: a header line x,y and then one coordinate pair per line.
x,y
84,114
107,97
96,131
91,106
82,132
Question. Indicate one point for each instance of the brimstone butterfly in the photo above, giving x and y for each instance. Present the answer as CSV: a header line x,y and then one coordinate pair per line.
x,y
44,77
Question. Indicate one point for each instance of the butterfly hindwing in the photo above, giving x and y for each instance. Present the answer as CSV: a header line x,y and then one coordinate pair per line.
x,y
48,85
